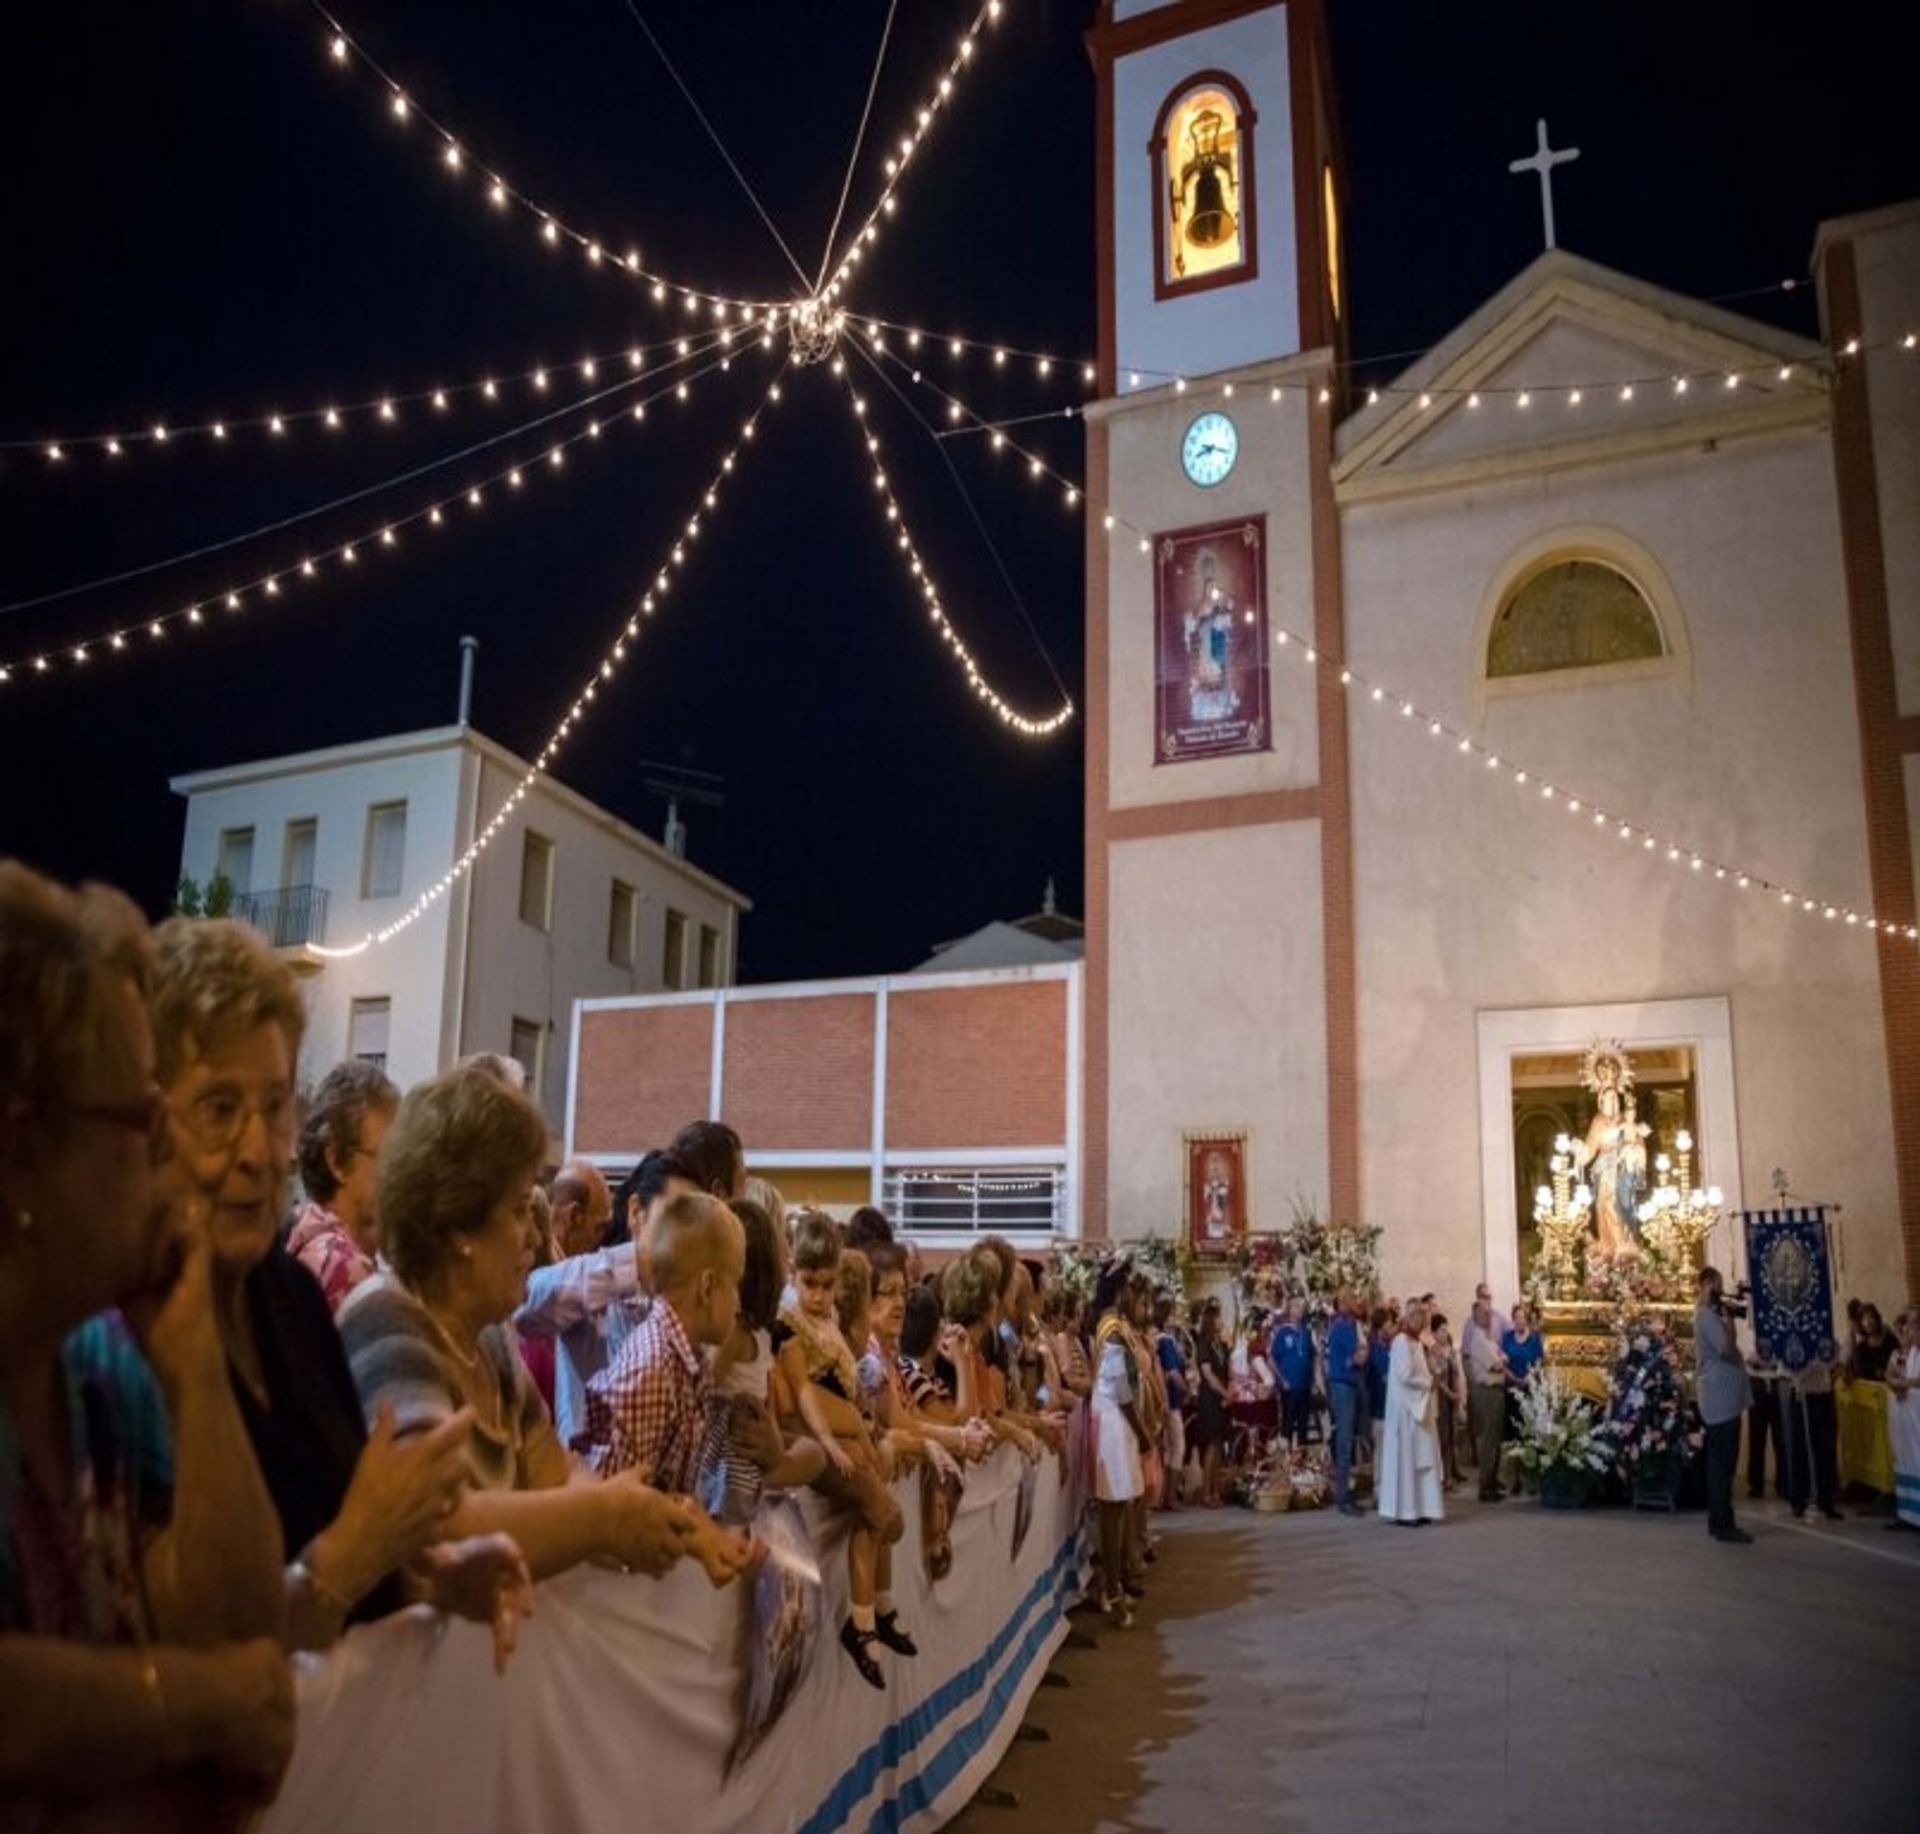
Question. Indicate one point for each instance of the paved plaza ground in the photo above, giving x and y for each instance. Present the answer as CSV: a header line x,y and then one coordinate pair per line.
x,y
1510,1668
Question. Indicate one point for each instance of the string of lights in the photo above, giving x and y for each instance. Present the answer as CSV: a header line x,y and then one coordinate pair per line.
x,y
962,418
1028,726
1676,852
470,498
1372,692
666,575
908,144
379,411
458,159
1017,358
1523,395
625,385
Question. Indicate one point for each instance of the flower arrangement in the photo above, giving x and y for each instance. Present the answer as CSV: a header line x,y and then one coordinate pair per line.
x,y
1626,1281
1308,1260
1164,1262
1262,1271
1646,1412
1562,1441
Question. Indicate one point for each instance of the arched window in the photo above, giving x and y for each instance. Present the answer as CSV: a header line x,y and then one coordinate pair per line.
x,y
1203,186
1572,614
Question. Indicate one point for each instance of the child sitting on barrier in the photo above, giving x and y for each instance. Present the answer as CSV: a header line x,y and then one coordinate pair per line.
x,y
819,1368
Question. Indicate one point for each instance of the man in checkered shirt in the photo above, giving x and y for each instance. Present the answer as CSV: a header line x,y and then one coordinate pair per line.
x,y
648,1407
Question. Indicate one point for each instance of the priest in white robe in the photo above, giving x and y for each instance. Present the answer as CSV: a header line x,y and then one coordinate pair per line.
x,y
1408,1461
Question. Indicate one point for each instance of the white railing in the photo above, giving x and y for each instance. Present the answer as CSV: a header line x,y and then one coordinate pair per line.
x,y
978,1200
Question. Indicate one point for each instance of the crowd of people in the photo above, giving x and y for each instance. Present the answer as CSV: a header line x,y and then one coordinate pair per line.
x,y
232,1426
1377,1386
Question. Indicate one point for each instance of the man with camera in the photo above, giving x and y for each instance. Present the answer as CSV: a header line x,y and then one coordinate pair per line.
x,y
1722,1390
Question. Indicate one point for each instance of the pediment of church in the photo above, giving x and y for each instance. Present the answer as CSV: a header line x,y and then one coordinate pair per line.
x,y
1572,364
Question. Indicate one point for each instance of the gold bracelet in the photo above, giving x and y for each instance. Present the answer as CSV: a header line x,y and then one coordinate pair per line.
x,y
150,1682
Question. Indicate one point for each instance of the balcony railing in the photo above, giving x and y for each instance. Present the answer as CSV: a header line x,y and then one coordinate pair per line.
x,y
293,915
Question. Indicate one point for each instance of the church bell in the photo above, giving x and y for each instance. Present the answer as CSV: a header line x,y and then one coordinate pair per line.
x,y
1209,175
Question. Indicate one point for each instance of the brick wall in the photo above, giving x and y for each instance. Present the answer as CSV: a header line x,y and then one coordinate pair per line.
x,y
799,1073
644,1073
977,1066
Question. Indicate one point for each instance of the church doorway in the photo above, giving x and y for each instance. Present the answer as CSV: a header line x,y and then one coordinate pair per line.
x,y
1549,1104
1531,1092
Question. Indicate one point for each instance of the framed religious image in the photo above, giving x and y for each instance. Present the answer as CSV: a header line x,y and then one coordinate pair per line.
x,y
1210,642
1216,1192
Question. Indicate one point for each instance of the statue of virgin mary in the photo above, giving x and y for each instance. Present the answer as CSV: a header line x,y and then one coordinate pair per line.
x,y
1612,1158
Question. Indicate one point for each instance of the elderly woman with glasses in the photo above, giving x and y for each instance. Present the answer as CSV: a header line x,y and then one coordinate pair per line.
x,y
140,1591
430,1339
365,1520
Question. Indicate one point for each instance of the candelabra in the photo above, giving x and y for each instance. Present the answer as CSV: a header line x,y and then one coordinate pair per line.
x,y
1560,1210
1678,1215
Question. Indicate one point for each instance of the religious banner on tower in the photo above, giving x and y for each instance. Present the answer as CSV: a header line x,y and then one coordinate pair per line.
x,y
1216,1188
1789,1266
1210,641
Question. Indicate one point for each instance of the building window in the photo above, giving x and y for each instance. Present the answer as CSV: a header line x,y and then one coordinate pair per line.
x,y
368,1026
1201,155
296,855
673,956
536,881
382,869
1330,227
709,956
620,926
235,863
977,1200
527,1048
1572,614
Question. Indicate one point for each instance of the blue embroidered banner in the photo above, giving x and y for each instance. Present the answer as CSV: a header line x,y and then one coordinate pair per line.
x,y
1792,1282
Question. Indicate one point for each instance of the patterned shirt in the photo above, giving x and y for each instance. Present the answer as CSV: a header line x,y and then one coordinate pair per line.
x,y
70,1566
321,1244
923,1386
399,1354
648,1407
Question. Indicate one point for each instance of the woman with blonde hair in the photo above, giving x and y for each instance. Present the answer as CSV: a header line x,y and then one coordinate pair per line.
x,y
365,1520
140,1604
1120,1440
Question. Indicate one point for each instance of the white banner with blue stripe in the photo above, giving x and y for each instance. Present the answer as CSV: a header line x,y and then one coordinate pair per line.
x,y
1789,1266
624,1699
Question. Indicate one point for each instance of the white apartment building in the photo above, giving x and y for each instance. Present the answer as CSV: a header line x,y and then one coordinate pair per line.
x,y
566,903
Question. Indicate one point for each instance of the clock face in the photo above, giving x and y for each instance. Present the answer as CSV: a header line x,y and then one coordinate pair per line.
x,y
1209,449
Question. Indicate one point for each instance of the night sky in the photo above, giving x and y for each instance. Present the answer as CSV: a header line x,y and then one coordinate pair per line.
x,y
205,218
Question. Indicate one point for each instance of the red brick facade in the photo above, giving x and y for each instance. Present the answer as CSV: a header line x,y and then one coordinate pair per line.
x,y
643,1073
977,1066
799,1073
972,1066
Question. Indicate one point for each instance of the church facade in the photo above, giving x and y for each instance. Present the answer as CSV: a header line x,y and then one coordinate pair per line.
x,y
1552,695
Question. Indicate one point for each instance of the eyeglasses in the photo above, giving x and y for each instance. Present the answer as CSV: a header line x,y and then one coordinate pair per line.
x,y
217,1118
147,1116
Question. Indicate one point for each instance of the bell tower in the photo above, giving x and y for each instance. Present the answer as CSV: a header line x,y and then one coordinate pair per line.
x,y
1220,187
1219,1015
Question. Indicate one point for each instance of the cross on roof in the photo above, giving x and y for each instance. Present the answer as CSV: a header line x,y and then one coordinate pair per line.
x,y
1543,161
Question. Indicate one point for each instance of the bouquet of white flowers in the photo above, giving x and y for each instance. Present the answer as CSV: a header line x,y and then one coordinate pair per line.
x,y
1562,1441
